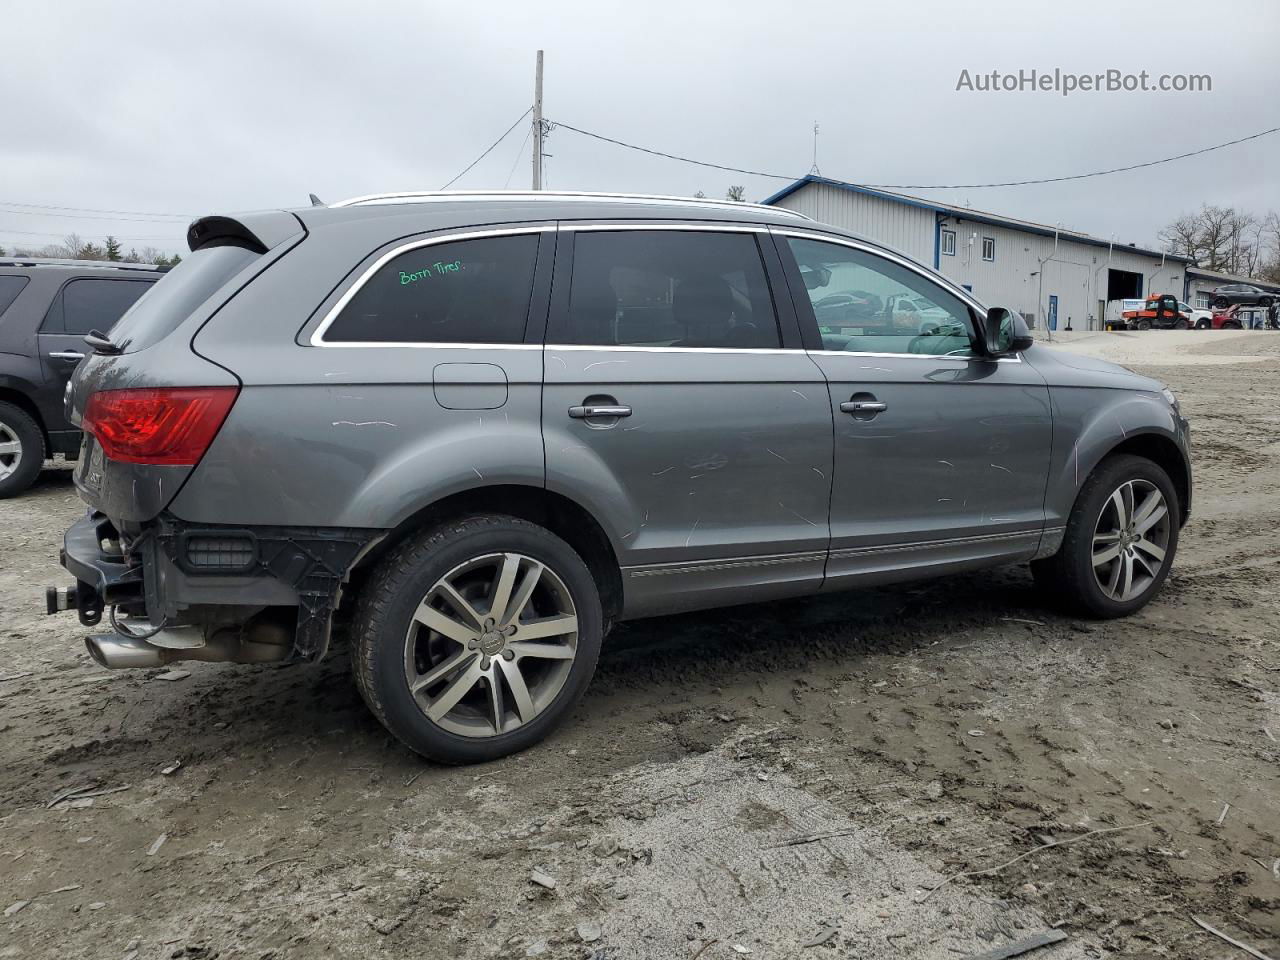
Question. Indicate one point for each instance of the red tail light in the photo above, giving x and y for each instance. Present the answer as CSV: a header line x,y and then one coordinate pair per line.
x,y
169,426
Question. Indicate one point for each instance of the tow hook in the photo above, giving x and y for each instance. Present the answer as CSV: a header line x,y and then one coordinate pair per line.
x,y
79,597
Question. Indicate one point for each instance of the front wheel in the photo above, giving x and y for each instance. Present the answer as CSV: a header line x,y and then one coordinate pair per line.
x,y
1203,324
1181,325
1220,302
1120,540
1144,324
475,639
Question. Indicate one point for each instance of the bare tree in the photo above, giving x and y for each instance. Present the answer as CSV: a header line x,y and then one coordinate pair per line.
x,y
736,193
71,246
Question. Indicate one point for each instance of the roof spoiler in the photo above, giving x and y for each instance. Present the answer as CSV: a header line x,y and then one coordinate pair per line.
x,y
258,232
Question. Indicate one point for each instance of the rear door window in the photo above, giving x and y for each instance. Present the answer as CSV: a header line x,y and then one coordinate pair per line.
x,y
93,304
10,287
668,288
463,291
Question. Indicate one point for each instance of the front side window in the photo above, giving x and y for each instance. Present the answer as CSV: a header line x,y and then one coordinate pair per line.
x,y
988,248
92,304
948,243
668,288
464,291
864,303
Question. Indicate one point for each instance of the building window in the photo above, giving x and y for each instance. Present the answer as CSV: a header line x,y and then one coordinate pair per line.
x,y
948,243
989,248
1202,301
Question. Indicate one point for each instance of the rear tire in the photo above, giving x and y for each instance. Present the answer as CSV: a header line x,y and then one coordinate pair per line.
x,y
458,673
1181,325
1265,302
22,452
1232,325
1144,324
1137,550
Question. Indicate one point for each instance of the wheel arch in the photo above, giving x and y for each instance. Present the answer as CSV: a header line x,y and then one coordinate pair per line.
x,y
566,518
1163,451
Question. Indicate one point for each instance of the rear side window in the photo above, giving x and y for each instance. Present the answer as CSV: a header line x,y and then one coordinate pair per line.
x,y
10,287
668,288
92,304
178,294
465,291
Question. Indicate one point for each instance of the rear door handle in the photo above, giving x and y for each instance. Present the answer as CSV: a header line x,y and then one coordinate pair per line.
x,y
71,356
863,406
616,410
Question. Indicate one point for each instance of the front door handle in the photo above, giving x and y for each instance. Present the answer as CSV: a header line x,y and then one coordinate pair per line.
x,y
600,410
71,356
863,406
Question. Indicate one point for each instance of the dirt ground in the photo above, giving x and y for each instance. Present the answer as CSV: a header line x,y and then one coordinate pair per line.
x,y
789,780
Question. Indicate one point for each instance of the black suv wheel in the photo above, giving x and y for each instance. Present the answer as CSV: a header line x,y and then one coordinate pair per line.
x,y
21,450
1120,540
475,639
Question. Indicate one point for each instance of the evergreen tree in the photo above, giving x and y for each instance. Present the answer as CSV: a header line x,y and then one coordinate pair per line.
x,y
113,249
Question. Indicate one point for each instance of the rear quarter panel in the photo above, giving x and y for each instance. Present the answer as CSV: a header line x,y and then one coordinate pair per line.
x,y
354,436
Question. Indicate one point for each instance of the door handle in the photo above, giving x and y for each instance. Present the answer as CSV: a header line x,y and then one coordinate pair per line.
x,y
863,406
72,356
600,410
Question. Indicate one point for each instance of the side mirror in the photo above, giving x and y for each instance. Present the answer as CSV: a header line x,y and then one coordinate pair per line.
x,y
1006,332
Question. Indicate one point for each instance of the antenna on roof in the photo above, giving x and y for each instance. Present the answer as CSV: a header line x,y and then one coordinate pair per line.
x,y
315,201
813,171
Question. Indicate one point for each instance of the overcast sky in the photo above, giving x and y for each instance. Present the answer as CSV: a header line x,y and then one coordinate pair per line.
x,y
195,108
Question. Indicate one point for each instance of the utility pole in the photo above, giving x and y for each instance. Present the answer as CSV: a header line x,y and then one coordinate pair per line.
x,y
537,125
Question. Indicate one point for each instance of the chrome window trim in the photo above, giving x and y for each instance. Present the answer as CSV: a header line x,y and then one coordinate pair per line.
x,y
915,356
707,226
317,336
641,348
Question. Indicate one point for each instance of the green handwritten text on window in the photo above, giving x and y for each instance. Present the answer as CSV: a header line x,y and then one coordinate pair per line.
x,y
437,269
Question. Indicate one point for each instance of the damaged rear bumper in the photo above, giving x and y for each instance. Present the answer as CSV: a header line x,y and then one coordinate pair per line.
x,y
212,578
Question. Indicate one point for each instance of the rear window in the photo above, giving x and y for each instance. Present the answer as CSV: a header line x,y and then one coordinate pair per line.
x,y
178,294
10,287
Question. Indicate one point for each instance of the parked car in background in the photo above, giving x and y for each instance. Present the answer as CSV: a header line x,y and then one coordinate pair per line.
x,y
1200,319
1242,294
474,431
46,308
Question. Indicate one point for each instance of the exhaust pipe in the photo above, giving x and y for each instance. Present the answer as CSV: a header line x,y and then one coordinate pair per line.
x,y
262,641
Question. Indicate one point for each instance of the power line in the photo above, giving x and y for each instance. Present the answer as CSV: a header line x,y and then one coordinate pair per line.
x,y
137,213
487,151
918,186
40,233
519,153
83,216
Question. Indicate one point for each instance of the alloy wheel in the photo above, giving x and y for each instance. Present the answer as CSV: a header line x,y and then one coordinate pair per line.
x,y
1131,540
491,645
10,451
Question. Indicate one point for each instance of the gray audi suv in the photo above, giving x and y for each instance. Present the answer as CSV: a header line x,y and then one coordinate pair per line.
x,y
470,432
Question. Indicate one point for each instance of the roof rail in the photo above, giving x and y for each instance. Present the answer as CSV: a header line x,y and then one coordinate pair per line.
x,y
427,196
62,262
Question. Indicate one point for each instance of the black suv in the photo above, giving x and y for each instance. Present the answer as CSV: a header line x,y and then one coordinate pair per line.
x,y
46,308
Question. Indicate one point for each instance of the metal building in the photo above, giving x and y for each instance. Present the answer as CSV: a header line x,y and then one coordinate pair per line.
x,y
1053,276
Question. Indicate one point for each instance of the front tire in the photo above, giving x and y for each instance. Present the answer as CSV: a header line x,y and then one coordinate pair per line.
x,y
1120,540
1204,324
22,450
1220,303
1144,324
476,638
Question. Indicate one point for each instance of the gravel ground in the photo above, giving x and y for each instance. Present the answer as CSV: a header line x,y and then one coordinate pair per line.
x,y
789,780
